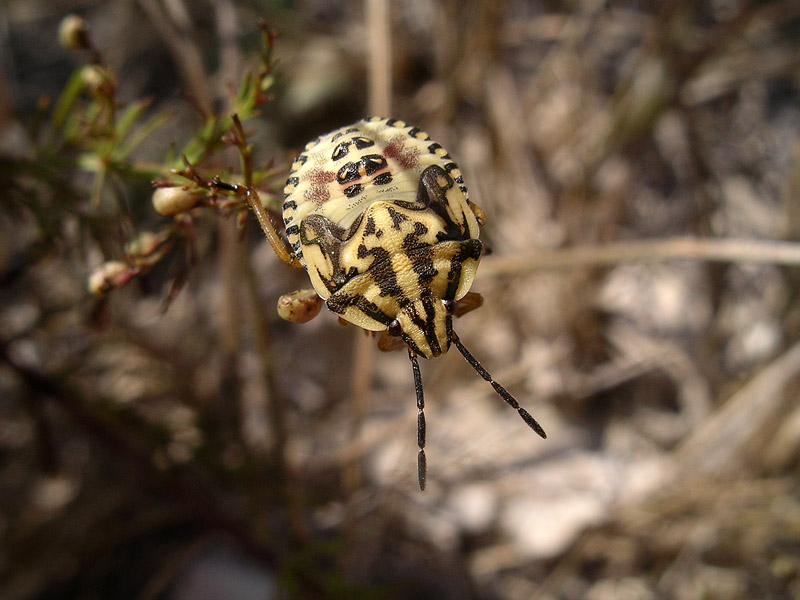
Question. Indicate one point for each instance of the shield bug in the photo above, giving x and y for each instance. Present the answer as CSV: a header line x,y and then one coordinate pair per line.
x,y
379,216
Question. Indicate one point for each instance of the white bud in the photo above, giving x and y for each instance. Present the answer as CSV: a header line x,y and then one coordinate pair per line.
x,y
173,200
73,33
108,276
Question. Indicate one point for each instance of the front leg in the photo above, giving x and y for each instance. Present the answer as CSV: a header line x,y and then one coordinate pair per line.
x,y
300,306
268,228
254,202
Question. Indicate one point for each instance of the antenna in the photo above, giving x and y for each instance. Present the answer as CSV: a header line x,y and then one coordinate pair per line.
x,y
422,465
501,391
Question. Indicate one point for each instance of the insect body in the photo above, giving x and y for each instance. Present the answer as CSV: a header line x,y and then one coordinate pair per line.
x,y
378,215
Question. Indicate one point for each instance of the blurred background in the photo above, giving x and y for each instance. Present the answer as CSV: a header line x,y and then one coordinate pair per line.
x,y
639,166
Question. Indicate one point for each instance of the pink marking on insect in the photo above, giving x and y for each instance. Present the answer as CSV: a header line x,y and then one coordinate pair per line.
x,y
318,191
320,177
408,158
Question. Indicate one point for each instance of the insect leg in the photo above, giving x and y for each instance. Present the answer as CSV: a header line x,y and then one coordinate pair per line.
x,y
273,237
422,466
501,391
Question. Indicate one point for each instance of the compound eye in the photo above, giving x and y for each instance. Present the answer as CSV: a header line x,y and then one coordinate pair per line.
x,y
394,328
450,306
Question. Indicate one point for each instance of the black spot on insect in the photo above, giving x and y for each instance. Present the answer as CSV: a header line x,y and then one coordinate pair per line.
x,y
340,151
289,204
287,220
411,241
363,142
422,264
383,178
372,163
391,122
416,130
347,173
369,228
362,251
293,230
436,146
353,190
379,233
292,181
396,217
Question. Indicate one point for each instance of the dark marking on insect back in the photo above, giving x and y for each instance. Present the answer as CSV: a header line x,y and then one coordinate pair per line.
x,y
422,263
340,151
372,163
347,173
414,131
383,178
363,142
411,241
437,146
369,227
396,217
353,190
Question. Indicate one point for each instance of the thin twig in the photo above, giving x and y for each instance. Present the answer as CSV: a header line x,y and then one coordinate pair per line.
x,y
186,54
680,248
378,23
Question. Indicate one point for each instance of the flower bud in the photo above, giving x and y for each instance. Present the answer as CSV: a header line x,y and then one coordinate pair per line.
x,y
173,200
97,80
108,276
144,244
73,33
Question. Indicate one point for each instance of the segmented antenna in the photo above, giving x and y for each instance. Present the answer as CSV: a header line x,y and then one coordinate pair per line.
x,y
501,391
422,465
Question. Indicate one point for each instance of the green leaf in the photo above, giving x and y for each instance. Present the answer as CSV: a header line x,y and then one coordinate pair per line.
x,y
141,134
66,100
129,117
